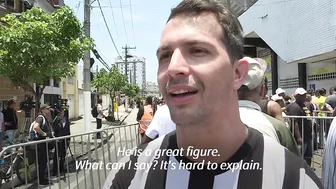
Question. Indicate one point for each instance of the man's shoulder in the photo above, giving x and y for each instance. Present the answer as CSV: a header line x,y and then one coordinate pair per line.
x,y
143,154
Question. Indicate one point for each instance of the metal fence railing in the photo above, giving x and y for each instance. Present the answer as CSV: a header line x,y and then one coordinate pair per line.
x,y
76,161
320,127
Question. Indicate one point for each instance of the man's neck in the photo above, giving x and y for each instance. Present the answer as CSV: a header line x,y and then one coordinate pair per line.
x,y
223,134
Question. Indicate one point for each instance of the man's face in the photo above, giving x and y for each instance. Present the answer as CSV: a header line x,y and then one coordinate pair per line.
x,y
282,94
301,98
13,106
195,74
46,112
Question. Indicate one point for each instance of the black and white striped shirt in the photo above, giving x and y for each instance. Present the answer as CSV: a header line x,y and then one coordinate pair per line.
x,y
278,169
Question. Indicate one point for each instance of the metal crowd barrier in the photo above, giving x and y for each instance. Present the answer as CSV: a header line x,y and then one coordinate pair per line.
x,y
87,159
320,127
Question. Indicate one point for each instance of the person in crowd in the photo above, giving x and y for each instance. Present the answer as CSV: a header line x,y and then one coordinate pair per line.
x,y
40,131
100,116
331,100
200,69
250,94
2,129
312,108
11,121
145,115
61,127
270,107
160,125
329,158
302,126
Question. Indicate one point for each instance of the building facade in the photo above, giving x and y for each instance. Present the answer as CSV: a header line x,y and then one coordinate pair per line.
x,y
152,89
135,71
7,89
300,38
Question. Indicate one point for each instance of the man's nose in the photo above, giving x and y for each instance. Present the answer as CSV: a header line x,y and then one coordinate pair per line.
x,y
178,64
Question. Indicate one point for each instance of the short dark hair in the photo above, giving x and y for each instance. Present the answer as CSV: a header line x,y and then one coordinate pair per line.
x,y
10,102
149,100
100,101
233,38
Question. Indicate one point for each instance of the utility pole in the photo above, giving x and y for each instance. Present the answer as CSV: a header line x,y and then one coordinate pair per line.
x,y
86,71
126,48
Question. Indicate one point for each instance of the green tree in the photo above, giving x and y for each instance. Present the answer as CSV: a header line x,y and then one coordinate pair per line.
x,y
38,46
110,82
131,90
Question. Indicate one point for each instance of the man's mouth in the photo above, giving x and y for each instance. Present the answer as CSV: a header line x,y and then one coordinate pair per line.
x,y
182,93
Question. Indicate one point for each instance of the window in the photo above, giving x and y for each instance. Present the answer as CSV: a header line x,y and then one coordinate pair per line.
x,y
2,2
10,3
46,82
70,80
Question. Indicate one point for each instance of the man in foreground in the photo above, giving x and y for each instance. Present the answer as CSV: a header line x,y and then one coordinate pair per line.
x,y
200,70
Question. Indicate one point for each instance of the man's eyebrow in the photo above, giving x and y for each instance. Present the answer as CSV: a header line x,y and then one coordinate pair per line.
x,y
162,48
186,43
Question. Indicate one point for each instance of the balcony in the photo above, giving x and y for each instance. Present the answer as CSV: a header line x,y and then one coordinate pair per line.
x,y
56,3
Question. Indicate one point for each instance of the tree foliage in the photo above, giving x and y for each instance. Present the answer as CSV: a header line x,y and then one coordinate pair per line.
x,y
131,90
110,81
38,46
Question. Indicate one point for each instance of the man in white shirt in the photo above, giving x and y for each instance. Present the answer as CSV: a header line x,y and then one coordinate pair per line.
x,y
99,117
160,125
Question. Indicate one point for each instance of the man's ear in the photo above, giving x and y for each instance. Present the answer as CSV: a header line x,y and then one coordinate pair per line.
x,y
240,72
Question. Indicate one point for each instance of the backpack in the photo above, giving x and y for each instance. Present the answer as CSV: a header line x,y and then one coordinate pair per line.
x,y
94,112
33,135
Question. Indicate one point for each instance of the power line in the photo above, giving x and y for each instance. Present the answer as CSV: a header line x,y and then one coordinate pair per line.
x,y
130,2
122,14
101,10
115,25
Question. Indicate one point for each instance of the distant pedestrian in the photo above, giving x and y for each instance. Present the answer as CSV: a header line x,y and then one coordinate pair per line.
x,y
40,131
99,117
2,129
11,121
61,126
145,115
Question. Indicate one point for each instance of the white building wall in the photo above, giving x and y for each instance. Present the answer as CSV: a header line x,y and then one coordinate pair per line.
x,y
293,29
45,5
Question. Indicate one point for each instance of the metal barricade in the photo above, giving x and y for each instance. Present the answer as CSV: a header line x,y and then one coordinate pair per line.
x,y
320,127
87,159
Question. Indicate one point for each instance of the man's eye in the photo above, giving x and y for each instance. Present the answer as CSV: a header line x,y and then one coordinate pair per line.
x,y
164,56
198,51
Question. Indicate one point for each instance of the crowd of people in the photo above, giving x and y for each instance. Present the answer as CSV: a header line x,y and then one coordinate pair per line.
x,y
49,123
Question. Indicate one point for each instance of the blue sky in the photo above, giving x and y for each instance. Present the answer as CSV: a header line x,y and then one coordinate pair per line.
x,y
149,18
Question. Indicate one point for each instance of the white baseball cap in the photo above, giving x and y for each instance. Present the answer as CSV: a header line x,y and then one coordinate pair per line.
x,y
300,91
276,97
256,73
279,91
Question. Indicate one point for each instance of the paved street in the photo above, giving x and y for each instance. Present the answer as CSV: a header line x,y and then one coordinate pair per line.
x,y
123,137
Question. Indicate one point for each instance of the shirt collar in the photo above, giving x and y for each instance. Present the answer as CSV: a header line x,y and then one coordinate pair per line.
x,y
249,104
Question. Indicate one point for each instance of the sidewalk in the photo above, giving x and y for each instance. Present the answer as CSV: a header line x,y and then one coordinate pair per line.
x,y
77,127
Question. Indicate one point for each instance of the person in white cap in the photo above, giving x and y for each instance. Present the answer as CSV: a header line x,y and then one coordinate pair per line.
x,y
302,127
270,107
280,92
249,95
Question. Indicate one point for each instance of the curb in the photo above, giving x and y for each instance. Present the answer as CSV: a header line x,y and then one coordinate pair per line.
x,y
16,182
